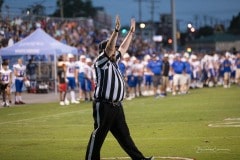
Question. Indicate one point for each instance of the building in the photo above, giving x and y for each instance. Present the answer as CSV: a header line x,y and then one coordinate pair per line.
x,y
216,42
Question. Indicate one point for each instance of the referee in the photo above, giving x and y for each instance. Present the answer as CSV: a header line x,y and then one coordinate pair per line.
x,y
109,92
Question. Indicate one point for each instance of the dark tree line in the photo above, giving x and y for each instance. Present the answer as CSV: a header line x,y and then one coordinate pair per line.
x,y
75,8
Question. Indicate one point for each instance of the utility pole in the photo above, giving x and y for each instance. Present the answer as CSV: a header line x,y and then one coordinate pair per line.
x,y
140,10
152,19
152,7
61,9
174,26
152,10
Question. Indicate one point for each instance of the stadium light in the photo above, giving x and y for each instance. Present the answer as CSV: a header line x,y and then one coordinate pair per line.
x,y
142,25
189,25
192,29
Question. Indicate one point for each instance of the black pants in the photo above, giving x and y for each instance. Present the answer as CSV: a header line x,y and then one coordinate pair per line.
x,y
109,117
3,91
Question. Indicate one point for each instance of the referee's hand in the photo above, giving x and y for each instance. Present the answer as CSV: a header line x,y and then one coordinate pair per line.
x,y
117,23
133,25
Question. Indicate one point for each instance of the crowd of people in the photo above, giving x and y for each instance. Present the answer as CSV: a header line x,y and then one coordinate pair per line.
x,y
148,70
176,73
159,75
81,34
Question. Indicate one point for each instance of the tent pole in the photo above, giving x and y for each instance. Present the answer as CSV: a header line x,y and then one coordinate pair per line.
x,y
55,72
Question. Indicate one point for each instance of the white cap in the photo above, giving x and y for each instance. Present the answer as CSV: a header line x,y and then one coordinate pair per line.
x,y
82,57
193,56
133,58
177,55
126,55
88,60
171,56
1,32
228,54
147,57
186,55
165,55
70,55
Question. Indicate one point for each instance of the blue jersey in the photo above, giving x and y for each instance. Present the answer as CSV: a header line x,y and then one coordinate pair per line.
x,y
155,67
187,67
178,67
226,65
122,68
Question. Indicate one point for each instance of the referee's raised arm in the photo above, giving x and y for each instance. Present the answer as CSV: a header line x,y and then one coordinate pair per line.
x,y
110,47
127,40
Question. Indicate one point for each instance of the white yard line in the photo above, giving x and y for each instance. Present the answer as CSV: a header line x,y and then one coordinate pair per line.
x,y
228,122
42,117
112,138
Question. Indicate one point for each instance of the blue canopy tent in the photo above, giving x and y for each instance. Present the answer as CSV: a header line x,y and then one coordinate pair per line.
x,y
38,43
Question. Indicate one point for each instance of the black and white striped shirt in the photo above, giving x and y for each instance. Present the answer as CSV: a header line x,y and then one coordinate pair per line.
x,y
110,83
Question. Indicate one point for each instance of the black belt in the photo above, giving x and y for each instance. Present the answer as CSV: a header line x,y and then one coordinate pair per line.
x,y
113,103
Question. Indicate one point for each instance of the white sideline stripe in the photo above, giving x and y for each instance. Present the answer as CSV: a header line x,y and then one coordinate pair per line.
x,y
111,138
229,122
158,157
232,119
52,115
223,125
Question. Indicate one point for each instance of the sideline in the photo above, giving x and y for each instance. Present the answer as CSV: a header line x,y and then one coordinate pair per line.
x,y
34,98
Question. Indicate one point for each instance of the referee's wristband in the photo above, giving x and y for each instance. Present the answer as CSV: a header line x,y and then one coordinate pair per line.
x,y
116,30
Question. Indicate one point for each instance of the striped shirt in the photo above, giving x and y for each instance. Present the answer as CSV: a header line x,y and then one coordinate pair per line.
x,y
110,83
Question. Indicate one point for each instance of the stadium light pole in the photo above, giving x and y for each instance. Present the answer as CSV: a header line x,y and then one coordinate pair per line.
x,y
174,26
61,9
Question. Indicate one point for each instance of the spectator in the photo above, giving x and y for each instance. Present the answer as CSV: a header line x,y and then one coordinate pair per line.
x,y
139,70
20,74
61,79
155,65
186,76
147,76
72,78
165,75
237,63
89,80
81,65
177,68
31,71
227,71
5,83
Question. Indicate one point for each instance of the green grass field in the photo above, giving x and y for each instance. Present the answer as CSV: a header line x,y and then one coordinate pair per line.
x,y
203,125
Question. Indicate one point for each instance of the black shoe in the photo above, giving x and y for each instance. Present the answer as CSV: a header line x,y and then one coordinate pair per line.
x,y
16,102
21,102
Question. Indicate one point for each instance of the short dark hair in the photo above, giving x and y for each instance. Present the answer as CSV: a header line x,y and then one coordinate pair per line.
x,y
60,58
102,45
4,63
